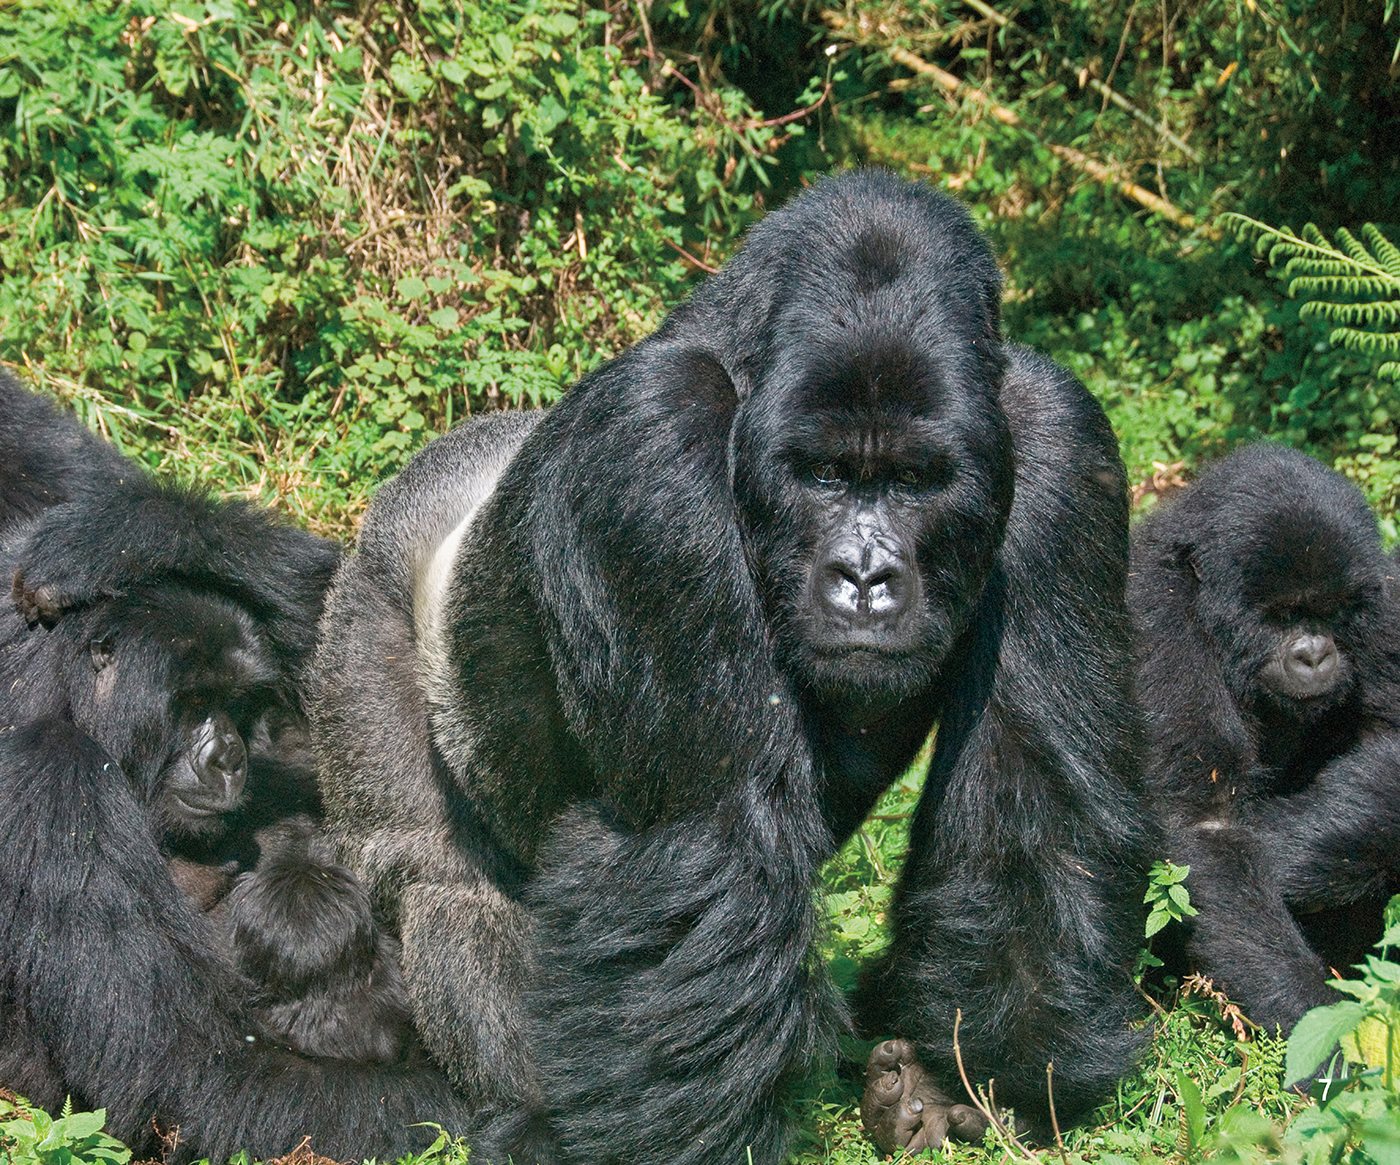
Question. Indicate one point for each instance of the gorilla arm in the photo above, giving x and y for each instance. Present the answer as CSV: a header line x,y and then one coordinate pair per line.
x,y
1029,834
118,534
673,907
1338,840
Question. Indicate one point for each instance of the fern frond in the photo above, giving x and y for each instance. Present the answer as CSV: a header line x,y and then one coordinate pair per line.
x,y
1352,282
1383,314
1386,251
1330,283
1373,343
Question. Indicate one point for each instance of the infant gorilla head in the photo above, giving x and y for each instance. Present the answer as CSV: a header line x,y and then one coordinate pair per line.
x,y
300,926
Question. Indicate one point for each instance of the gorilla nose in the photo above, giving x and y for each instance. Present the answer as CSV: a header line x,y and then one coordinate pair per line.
x,y
871,583
1312,657
226,755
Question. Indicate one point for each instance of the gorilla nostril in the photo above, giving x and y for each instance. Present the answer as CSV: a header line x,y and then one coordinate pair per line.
x,y
1313,653
886,592
840,588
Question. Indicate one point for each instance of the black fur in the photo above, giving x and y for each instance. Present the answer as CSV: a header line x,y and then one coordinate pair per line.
x,y
590,746
123,723
300,927
45,457
1286,804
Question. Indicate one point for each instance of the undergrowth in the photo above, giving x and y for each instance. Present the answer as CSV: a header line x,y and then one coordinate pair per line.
x,y
273,246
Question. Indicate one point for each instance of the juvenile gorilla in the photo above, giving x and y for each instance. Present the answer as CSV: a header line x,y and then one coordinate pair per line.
x,y
1269,669
123,737
605,686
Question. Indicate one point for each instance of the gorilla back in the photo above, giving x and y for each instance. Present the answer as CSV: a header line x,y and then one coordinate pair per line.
x,y
604,686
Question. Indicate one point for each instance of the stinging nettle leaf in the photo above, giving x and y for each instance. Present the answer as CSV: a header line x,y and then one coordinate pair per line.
x,y
1316,1035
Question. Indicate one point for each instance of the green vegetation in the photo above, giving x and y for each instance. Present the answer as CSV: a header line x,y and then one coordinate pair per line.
x,y
301,238
275,246
32,1137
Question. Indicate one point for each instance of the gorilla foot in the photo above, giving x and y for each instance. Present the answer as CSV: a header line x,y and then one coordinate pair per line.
x,y
903,1109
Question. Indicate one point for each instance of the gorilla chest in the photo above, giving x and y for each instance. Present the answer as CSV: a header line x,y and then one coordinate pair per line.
x,y
859,762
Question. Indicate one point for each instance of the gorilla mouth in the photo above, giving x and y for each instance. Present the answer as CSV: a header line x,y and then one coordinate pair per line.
x,y
860,669
857,648
195,809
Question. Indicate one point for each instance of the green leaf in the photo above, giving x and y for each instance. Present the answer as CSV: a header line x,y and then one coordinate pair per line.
x,y
410,78
1192,1105
1316,1035
1179,898
550,114
80,1125
1381,1139
410,287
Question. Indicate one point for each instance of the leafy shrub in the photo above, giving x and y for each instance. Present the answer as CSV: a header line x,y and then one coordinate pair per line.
x,y
30,1136
303,236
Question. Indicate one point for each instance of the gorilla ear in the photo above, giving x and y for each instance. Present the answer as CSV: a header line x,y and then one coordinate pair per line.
x,y
101,652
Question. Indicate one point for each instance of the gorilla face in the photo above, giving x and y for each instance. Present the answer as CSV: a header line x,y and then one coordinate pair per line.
x,y
874,499
872,462
180,679
1301,649
205,777
1287,596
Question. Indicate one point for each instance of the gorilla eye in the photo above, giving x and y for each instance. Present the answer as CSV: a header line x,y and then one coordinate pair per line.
x,y
918,478
827,473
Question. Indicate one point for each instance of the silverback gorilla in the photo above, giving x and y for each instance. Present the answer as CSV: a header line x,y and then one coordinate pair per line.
x,y
603,687
131,722
1270,675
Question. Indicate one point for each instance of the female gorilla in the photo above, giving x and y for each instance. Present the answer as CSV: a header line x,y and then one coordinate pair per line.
x,y
137,715
605,686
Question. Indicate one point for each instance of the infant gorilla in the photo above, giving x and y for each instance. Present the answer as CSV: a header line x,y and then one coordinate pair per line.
x,y
299,925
